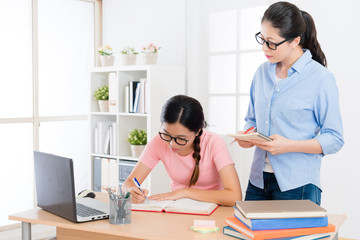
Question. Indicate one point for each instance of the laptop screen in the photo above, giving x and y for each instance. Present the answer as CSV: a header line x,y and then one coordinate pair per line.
x,y
54,177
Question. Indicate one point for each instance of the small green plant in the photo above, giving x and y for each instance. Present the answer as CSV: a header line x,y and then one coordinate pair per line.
x,y
102,93
137,137
105,50
129,50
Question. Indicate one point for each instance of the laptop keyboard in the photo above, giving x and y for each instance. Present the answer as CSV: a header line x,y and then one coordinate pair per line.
x,y
84,211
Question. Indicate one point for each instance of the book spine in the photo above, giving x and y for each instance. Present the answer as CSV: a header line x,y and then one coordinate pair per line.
x,y
137,98
131,96
286,223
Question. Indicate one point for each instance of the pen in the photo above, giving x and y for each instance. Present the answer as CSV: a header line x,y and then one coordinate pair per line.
x,y
138,186
249,130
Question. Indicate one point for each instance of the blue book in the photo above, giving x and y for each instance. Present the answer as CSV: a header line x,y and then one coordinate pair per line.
x,y
281,223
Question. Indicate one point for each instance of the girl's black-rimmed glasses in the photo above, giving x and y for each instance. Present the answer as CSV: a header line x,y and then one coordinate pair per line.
x,y
166,137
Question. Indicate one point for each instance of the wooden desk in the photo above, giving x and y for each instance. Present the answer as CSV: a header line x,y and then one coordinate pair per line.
x,y
144,225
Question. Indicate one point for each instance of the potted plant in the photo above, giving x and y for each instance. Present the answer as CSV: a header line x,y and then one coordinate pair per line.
x,y
102,95
137,139
129,56
150,53
106,56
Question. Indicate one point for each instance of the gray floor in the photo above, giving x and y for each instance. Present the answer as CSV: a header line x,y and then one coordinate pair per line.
x,y
38,232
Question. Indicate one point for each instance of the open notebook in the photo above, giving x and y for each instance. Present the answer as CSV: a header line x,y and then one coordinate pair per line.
x,y
184,205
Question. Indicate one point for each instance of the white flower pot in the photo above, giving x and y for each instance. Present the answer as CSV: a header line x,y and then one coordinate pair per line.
x,y
129,59
150,58
136,150
103,105
107,61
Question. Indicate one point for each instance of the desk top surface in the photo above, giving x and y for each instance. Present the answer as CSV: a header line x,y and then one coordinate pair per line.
x,y
145,225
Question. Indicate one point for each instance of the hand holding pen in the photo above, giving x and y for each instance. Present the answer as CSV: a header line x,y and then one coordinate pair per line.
x,y
246,144
137,184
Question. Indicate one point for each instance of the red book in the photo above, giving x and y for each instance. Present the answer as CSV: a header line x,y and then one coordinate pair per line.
x,y
277,233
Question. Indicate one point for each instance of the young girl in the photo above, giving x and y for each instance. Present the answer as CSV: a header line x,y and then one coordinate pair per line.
x,y
294,100
197,161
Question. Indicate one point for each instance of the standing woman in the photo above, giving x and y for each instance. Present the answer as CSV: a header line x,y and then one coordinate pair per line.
x,y
197,161
293,99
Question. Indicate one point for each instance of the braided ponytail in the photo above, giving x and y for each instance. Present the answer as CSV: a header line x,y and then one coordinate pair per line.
x,y
197,157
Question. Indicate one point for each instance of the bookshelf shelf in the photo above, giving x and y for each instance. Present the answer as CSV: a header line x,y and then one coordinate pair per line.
x,y
161,83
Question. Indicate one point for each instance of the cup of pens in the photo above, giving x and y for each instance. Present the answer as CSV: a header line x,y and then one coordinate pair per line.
x,y
120,208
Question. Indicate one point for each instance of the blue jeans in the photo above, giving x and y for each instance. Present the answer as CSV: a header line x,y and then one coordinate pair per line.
x,y
272,191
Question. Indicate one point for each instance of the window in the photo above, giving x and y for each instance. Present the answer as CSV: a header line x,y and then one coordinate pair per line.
x,y
233,59
44,100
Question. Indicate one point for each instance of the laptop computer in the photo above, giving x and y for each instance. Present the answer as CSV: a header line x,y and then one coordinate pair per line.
x,y
55,191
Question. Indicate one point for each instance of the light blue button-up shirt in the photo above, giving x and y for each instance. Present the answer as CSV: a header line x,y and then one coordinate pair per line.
x,y
305,105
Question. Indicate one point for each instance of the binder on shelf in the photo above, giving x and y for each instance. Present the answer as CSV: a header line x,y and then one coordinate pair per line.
x,y
113,174
126,99
132,94
142,95
104,174
96,140
137,98
113,92
97,174
113,139
106,142
103,136
109,174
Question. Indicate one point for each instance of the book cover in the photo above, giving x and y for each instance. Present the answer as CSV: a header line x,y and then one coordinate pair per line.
x,y
250,136
280,209
276,233
233,233
137,98
184,206
280,223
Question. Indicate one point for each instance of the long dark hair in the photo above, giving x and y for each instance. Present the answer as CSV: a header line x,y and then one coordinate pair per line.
x,y
292,22
189,113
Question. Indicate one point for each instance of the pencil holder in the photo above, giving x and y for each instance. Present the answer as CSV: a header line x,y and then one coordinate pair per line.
x,y
120,210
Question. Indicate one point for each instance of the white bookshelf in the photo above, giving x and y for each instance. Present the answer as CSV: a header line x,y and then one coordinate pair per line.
x,y
162,82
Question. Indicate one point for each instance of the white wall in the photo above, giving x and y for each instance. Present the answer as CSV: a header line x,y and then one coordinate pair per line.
x,y
138,22
164,22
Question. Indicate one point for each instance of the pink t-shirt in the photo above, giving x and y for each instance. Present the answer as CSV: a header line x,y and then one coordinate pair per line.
x,y
214,156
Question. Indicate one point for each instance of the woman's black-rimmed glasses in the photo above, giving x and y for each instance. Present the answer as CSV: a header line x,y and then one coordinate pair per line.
x,y
166,137
270,45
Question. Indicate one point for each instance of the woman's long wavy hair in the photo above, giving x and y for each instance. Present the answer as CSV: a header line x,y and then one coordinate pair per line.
x,y
188,112
292,22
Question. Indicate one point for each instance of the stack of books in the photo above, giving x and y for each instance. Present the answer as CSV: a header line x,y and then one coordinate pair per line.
x,y
278,219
